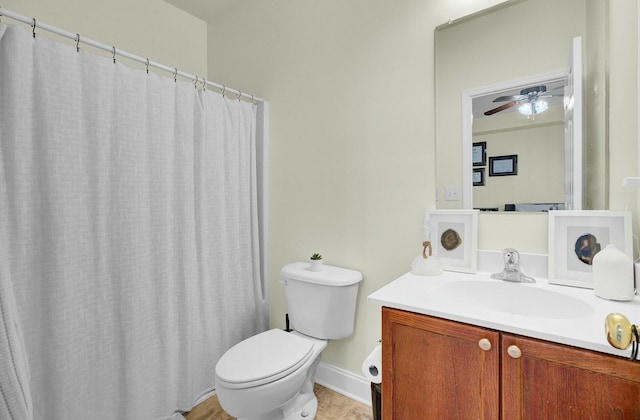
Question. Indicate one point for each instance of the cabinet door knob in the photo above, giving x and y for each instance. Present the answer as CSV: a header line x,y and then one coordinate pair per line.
x,y
484,344
514,351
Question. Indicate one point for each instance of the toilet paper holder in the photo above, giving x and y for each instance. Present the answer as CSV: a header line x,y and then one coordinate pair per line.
x,y
372,364
373,369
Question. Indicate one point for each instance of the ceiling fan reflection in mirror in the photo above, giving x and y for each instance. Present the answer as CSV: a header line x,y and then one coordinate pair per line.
x,y
530,101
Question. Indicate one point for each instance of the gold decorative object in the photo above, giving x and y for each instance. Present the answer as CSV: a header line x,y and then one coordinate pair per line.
x,y
621,333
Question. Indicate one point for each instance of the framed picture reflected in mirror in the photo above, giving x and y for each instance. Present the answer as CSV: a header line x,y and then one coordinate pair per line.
x,y
479,153
478,177
503,165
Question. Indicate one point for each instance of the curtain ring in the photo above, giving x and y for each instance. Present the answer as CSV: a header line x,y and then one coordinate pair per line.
x,y
175,74
34,27
113,50
252,100
77,42
147,66
195,84
223,89
239,95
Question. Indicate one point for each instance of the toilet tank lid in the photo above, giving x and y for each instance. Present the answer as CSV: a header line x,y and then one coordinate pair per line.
x,y
329,275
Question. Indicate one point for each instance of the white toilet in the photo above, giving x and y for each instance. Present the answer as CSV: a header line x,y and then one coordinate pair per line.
x,y
270,376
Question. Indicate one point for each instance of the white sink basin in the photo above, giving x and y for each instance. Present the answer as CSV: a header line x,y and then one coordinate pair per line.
x,y
515,299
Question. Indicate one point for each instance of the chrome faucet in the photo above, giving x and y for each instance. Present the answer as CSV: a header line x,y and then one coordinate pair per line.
x,y
511,270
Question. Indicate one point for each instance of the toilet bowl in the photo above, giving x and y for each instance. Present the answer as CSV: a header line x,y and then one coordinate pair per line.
x,y
270,376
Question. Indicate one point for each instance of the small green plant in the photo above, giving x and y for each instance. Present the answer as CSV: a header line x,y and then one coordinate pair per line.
x,y
316,256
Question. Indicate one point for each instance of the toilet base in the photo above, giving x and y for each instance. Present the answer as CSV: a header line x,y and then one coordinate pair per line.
x,y
307,412
305,404
302,407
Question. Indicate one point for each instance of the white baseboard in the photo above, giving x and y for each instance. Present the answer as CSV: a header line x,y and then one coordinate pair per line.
x,y
344,382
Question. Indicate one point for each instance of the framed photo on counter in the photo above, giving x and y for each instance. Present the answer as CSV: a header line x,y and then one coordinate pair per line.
x,y
454,238
575,237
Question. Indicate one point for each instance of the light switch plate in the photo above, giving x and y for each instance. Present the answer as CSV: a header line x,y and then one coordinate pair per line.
x,y
631,181
452,194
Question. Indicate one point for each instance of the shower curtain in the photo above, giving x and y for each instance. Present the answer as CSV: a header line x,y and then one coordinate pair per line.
x,y
129,256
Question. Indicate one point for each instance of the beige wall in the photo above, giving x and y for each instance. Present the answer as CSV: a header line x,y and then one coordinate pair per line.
x,y
595,175
539,146
623,105
147,28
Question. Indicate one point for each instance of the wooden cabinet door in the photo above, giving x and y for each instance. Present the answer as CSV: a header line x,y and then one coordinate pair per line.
x,y
552,381
435,369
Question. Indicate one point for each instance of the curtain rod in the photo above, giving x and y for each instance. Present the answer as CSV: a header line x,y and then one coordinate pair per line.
x,y
112,49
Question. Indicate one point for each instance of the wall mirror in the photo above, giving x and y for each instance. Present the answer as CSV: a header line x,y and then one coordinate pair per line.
x,y
509,160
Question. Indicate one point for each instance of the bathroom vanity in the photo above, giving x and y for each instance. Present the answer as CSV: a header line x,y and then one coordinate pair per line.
x,y
468,346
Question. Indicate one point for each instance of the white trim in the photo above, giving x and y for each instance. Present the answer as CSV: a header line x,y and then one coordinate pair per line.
x,y
576,142
344,382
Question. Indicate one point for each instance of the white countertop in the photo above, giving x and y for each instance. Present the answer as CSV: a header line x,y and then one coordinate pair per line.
x,y
579,322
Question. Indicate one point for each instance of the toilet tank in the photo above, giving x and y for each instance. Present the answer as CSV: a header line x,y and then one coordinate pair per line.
x,y
321,304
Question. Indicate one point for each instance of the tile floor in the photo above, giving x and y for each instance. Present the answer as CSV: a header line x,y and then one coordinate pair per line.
x,y
331,406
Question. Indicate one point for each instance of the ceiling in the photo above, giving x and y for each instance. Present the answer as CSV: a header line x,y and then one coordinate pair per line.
x,y
207,10
485,103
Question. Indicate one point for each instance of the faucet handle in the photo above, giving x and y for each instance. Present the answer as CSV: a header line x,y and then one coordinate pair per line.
x,y
511,257
511,271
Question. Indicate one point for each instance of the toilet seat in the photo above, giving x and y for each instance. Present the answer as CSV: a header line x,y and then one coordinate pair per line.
x,y
263,358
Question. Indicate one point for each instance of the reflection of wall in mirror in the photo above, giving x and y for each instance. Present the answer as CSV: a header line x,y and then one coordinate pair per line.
x,y
539,144
492,48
